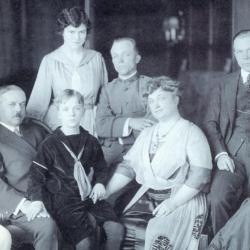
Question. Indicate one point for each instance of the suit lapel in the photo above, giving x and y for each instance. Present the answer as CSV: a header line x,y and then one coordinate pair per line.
x,y
19,143
231,89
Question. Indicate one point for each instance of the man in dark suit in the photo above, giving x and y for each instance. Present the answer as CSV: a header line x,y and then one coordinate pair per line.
x,y
18,144
227,125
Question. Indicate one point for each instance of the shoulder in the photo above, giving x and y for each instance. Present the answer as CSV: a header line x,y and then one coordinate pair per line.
x,y
93,52
113,82
145,133
92,55
228,78
53,55
35,127
144,78
110,85
195,133
90,138
48,143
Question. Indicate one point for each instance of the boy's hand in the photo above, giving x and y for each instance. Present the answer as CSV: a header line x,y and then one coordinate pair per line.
x,y
97,192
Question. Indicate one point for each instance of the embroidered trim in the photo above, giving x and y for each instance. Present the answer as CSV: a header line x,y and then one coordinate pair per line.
x,y
198,225
161,242
40,165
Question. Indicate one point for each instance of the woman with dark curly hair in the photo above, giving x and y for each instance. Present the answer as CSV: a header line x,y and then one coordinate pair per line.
x,y
71,66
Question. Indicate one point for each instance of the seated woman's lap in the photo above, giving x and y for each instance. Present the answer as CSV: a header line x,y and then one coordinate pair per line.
x,y
140,224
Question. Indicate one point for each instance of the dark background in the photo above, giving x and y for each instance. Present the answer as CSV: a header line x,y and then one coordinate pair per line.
x,y
27,33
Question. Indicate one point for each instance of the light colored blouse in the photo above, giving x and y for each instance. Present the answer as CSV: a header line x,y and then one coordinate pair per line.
x,y
57,73
182,157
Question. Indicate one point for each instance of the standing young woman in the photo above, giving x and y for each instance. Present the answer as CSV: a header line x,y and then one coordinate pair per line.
x,y
71,66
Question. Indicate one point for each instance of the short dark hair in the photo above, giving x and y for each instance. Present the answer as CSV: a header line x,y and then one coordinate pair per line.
x,y
165,83
241,33
74,16
129,39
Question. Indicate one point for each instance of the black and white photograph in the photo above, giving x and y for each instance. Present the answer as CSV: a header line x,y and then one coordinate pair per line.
x,y
124,125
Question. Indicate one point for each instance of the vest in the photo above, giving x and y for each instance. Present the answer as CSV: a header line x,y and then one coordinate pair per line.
x,y
242,121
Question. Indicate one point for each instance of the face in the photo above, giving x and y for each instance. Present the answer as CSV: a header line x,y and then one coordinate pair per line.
x,y
70,113
73,37
124,57
163,104
242,52
12,107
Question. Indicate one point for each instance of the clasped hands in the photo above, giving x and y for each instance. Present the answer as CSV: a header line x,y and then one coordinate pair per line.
x,y
164,208
98,192
34,209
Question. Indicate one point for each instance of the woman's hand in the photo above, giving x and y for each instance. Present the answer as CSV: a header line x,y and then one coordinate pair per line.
x,y
97,192
165,208
33,209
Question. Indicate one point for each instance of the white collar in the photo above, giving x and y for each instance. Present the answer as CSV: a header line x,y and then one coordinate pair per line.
x,y
127,77
244,75
9,127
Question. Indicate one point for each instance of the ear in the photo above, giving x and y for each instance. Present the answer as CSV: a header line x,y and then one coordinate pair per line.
x,y
177,100
138,58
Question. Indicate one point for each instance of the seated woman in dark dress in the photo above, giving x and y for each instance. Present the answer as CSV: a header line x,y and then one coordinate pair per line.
x,y
172,162
69,162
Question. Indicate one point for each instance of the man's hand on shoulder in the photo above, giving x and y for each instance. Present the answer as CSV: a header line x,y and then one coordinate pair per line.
x,y
140,123
225,162
34,209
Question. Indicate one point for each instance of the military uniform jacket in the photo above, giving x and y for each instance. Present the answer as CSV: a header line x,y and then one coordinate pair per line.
x,y
119,100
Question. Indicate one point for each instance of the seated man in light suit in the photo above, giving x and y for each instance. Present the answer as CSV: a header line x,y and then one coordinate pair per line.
x,y
18,144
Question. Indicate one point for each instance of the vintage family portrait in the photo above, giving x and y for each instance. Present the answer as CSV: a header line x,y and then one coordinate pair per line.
x,y
124,125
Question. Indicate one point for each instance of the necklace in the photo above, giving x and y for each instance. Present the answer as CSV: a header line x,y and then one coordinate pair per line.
x,y
155,143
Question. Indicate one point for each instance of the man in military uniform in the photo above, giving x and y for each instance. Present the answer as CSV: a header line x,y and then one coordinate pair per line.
x,y
122,109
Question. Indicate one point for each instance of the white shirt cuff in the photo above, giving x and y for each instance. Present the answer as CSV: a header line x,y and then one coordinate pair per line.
x,y
126,131
220,154
19,206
